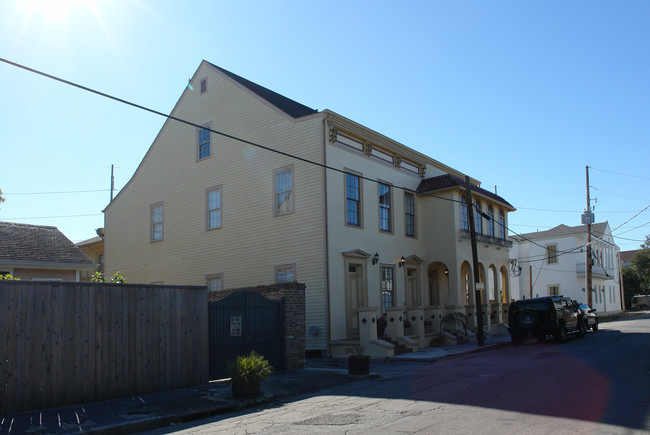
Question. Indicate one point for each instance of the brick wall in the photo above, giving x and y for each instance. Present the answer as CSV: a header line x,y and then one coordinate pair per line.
x,y
293,296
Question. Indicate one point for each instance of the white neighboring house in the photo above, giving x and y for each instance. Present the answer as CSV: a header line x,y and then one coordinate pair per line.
x,y
554,261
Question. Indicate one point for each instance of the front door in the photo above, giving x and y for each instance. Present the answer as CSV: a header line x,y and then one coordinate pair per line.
x,y
355,297
412,288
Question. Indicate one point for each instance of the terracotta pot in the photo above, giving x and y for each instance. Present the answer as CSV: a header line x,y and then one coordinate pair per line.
x,y
245,390
358,365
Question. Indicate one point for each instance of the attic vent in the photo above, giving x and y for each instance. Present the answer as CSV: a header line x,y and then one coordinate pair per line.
x,y
204,86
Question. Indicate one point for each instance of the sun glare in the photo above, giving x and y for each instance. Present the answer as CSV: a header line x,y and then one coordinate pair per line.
x,y
57,10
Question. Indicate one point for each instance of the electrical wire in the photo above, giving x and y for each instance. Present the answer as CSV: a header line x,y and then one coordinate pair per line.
x,y
59,193
229,136
619,173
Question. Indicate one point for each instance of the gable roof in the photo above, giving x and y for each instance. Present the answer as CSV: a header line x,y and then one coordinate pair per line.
x,y
597,229
283,103
23,244
447,181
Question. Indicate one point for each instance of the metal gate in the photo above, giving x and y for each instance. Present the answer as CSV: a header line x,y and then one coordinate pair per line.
x,y
242,322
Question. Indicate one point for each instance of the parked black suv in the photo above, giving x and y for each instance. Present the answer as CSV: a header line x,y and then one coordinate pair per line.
x,y
539,317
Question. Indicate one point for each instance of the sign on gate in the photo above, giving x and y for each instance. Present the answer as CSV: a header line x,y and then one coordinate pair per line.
x,y
235,326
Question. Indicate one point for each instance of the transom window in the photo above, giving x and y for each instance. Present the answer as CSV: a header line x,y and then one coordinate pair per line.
x,y
385,223
283,181
204,143
214,208
409,213
353,200
464,219
156,222
285,273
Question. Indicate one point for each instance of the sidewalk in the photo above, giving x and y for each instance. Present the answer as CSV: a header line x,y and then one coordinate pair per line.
x,y
150,411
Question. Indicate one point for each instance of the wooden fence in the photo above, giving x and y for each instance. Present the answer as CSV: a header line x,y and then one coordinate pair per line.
x,y
69,343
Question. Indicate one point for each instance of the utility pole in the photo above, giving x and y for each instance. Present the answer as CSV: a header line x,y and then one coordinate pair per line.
x,y
588,262
112,183
477,291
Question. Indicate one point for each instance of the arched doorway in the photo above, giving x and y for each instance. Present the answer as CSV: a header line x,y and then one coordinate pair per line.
x,y
504,288
493,285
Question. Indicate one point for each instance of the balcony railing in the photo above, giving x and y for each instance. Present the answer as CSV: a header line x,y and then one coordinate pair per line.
x,y
487,240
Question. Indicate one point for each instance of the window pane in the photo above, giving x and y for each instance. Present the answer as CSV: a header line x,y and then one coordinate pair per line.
x,y
409,212
464,219
353,211
386,288
157,223
284,275
384,207
283,191
204,143
214,208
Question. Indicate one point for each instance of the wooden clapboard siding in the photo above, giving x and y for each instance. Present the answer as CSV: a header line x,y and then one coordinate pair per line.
x,y
252,240
68,343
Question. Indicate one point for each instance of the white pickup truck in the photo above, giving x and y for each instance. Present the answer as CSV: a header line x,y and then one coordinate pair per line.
x,y
641,301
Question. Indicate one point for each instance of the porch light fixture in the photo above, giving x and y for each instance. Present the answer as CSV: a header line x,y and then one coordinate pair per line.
x,y
402,261
446,271
375,259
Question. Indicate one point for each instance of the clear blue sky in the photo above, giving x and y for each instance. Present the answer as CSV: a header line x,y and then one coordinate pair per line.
x,y
519,95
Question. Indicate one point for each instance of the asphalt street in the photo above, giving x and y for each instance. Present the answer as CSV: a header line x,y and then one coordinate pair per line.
x,y
596,384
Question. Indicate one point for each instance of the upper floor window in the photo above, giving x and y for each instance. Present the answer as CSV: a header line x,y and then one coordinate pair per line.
x,y
490,212
353,200
409,214
385,205
214,208
551,254
502,225
203,145
478,218
464,219
214,282
156,222
283,181
286,273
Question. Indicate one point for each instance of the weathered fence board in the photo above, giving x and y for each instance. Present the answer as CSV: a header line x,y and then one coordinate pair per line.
x,y
67,343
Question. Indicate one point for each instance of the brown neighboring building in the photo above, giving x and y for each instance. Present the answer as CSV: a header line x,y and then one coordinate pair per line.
x,y
41,253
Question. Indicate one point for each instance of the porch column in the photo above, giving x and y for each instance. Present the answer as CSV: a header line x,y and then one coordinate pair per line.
x,y
367,325
395,318
415,315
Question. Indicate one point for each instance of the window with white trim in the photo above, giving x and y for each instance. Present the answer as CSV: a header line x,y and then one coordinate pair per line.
x,y
502,225
213,208
464,219
551,254
409,214
156,222
554,290
285,273
478,218
490,212
385,205
352,200
387,287
203,143
214,282
283,188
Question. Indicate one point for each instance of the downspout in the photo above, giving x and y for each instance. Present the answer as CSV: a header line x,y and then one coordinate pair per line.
x,y
327,248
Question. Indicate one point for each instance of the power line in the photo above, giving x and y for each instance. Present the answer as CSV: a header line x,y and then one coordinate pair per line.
x,y
619,173
226,135
648,206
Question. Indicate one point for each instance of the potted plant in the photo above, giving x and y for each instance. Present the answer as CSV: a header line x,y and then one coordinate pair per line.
x,y
358,361
247,372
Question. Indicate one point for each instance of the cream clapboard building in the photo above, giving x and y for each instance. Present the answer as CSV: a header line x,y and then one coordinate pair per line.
x,y
372,223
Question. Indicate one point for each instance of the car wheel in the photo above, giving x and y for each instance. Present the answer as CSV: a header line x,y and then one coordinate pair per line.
x,y
595,327
560,335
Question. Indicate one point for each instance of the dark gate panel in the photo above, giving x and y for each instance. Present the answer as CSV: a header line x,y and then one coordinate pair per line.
x,y
242,322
